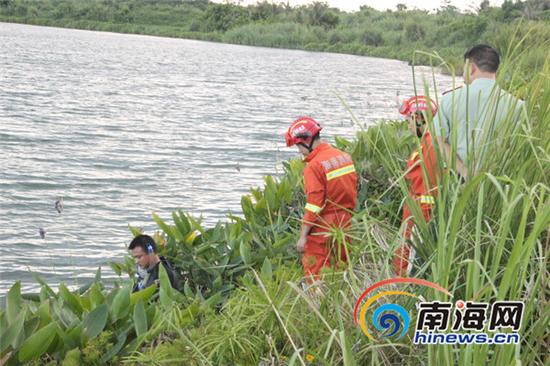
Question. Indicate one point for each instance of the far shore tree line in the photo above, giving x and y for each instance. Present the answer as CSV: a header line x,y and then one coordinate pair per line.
x,y
393,33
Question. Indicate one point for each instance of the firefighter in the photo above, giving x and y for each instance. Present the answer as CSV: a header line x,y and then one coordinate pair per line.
x,y
420,176
330,184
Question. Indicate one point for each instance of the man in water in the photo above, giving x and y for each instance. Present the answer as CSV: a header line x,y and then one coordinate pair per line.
x,y
471,117
330,184
143,250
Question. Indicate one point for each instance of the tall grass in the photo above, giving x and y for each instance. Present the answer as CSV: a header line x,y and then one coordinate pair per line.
x,y
489,241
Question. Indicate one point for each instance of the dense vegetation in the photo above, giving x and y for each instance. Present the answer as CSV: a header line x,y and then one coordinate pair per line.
x,y
390,34
241,302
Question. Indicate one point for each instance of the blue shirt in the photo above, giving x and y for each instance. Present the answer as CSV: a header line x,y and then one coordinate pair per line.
x,y
471,118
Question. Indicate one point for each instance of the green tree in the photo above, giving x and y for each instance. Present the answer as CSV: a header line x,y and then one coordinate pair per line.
x,y
372,38
264,10
414,31
321,15
221,17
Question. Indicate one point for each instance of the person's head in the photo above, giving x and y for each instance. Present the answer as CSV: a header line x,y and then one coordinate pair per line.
x,y
304,133
144,251
480,61
417,110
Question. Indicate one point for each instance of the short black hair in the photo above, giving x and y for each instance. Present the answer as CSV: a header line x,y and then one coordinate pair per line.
x,y
485,57
144,242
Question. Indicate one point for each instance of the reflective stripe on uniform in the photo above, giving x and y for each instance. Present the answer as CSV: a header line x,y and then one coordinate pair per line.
x,y
427,199
341,171
313,208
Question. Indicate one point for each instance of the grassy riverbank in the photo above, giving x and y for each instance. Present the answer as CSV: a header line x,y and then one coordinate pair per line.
x,y
317,27
241,303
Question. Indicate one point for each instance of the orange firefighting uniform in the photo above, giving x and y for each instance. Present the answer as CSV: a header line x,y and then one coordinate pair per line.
x,y
419,190
330,185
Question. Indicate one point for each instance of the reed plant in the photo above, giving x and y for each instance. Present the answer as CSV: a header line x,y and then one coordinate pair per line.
x,y
242,302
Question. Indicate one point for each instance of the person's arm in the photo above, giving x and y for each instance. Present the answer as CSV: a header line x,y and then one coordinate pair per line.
x,y
304,231
447,153
315,190
170,272
442,131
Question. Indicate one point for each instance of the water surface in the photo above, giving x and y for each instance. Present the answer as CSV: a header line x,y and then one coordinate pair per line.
x,y
120,126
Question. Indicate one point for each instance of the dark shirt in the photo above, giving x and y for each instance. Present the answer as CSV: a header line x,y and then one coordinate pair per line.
x,y
152,276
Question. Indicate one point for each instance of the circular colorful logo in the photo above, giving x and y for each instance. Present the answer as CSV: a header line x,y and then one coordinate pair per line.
x,y
390,319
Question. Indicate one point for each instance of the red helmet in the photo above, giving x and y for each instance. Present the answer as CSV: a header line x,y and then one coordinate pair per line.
x,y
302,131
416,105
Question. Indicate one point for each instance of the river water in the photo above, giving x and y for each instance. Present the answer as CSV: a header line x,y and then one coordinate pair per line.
x,y
120,126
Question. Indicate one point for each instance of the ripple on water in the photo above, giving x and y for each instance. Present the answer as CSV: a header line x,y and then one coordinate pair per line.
x,y
123,125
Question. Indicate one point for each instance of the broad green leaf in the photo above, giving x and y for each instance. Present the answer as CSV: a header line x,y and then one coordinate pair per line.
x,y
140,318
10,335
163,225
181,230
3,320
187,290
349,359
282,242
14,302
248,209
38,343
94,322
47,289
213,300
62,314
165,294
189,314
245,252
190,238
95,295
97,277
44,312
184,220
65,340
217,283
121,304
134,230
235,230
176,232
143,295
116,267
73,337
31,297
121,340
86,302
43,294
135,344
71,300
267,270
31,325
72,358
82,289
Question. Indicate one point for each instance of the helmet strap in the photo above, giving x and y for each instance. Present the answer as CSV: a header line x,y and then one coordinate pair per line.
x,y
419,122
310,147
